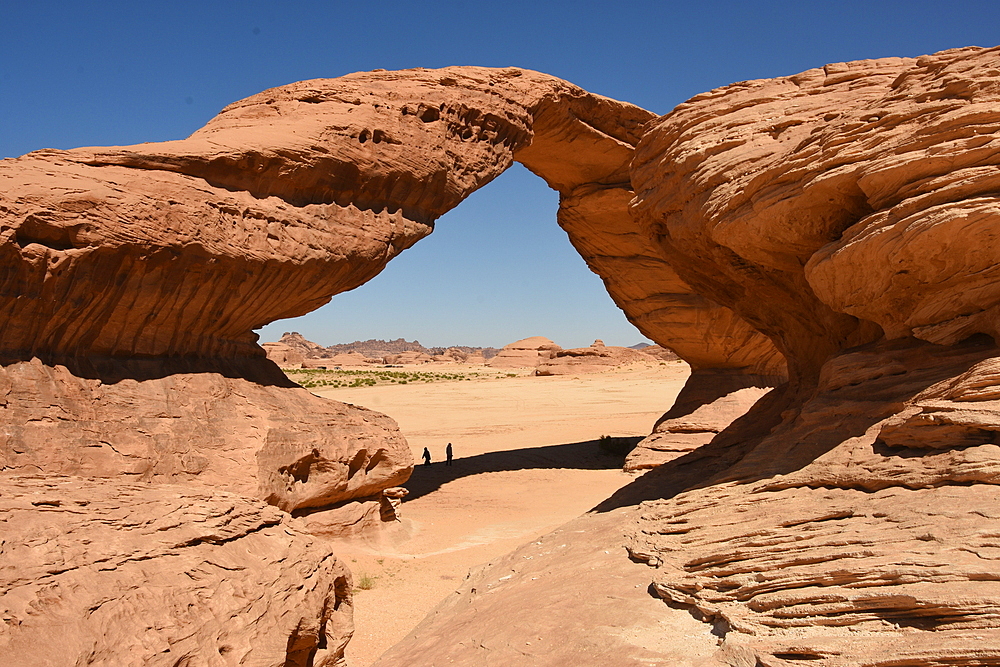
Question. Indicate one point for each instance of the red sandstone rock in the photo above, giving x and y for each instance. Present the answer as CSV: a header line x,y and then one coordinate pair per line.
x,y
454,355
816,220
285,356
407,358
661,353
849,213
709,402
524,353
116,574
298,342
594,359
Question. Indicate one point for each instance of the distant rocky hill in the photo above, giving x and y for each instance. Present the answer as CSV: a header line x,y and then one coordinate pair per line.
x,y
373,347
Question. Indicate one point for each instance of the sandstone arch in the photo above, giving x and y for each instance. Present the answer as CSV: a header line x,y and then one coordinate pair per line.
x,y
127,268
134,276
819,219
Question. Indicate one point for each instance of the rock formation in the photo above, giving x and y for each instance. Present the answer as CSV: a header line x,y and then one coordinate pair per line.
x,y
710,401
135,276
594,359
453,355
283,355
298,342
659,352
834,229
408,358
524,353
107,572
849,212
342,359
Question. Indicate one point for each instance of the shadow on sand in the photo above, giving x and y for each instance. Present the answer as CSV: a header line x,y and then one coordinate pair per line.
x,y
587,455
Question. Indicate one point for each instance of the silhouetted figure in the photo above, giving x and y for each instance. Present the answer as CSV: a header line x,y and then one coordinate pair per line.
x,y
427,457
447,452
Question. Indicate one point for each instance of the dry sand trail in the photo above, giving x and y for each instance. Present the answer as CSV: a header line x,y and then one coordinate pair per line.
x,y
526,462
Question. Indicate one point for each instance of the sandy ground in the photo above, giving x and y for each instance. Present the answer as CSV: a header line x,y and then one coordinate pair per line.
x,y
526,461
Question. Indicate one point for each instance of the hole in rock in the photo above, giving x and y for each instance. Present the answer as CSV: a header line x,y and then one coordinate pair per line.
x,y
357,463
35,230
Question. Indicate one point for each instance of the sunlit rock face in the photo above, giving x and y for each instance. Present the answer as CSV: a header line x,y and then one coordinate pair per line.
x,y
833,228
109,572
851,214
133,278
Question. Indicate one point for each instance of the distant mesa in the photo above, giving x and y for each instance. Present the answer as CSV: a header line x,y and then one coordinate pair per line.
x,y
594,359
536,352
369,352
524,353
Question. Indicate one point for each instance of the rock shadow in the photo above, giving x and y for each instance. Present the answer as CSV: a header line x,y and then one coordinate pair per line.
x,y
789,428
587,455
112,370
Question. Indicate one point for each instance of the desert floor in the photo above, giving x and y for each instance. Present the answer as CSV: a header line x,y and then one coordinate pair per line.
x,y
526,461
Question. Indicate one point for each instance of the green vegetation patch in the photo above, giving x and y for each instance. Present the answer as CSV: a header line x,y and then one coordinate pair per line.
x,y
318,377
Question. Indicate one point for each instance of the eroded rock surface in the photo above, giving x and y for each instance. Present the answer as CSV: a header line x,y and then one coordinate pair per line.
x,y
593,359
118,574
525,353
709,402
835,228
134,278
848,213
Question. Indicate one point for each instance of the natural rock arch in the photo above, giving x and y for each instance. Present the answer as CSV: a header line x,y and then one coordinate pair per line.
x,y
150,263
817,219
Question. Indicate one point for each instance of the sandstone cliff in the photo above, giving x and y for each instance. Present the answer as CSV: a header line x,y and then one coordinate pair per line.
x,y
849,213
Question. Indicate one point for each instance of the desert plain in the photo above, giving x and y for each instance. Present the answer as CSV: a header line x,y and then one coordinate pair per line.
x,y
527,460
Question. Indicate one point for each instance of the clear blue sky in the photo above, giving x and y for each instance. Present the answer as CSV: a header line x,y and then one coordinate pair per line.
x,y
497,268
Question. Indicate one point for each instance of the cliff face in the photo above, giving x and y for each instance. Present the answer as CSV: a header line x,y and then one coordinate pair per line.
x,y
850,213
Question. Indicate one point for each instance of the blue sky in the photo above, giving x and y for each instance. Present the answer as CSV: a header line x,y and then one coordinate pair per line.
x,y
497,268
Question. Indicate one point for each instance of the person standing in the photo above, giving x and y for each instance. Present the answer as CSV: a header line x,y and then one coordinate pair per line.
x,y
448,454
427,457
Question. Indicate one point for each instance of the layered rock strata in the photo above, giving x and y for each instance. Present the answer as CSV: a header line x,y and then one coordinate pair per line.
x,y
594,359
710,401
849,213
835,228
524,353
134,277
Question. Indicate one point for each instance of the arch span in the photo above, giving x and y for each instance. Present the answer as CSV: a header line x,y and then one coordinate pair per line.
x,y
152,264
